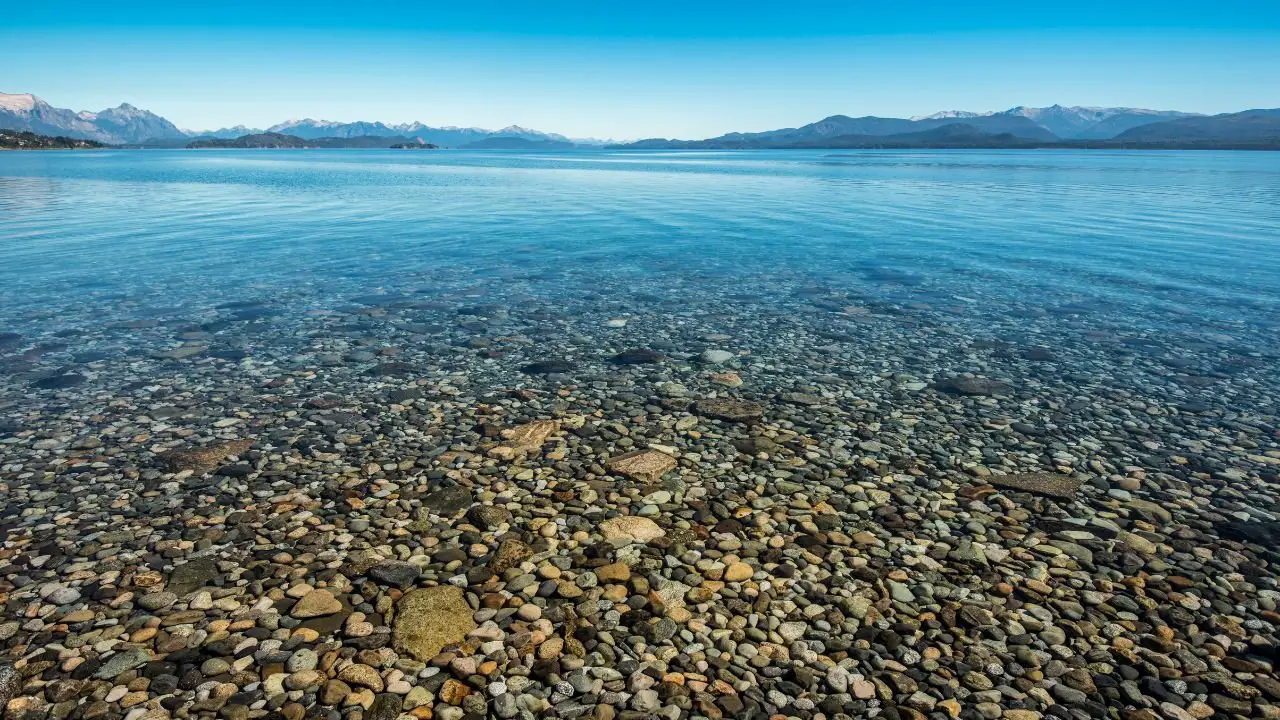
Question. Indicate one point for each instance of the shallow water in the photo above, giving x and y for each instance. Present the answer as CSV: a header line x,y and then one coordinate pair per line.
x,y
1000,408
1175,239
117,255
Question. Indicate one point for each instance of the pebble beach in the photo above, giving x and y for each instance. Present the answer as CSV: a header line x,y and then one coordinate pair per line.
x,y
554,492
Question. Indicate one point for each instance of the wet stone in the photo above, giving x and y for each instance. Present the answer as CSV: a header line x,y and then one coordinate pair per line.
x,y
510,553
1043,483
10,683
316,603
59,382
639,356
206,458
646,465
428,619
191,576
548,367
974,386
630,528
122,662
740,411
395,573
448,502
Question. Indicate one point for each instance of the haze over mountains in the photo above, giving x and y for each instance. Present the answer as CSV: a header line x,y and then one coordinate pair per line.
x,y
1073,123
128,125
1016,127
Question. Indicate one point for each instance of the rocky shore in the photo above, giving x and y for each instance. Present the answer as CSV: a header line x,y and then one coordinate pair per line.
x,y
493,500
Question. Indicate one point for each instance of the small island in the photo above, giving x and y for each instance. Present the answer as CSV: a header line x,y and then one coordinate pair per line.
x,y
23,140
259,140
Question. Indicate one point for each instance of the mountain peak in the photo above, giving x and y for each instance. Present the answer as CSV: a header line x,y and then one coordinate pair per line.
x,y
951,115
20,102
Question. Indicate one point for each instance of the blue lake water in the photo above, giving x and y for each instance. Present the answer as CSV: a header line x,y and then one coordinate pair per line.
x,y
1043,248
1166,235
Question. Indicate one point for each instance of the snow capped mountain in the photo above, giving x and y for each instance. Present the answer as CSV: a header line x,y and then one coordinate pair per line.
x,y
448,136
1084,122
127,124
1075,122
133,125
123,124
227,133
24,102
310,129
951,115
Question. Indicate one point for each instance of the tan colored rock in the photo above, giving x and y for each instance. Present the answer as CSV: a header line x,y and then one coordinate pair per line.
x,y
738,572
728,379
645,465
334,692
630,527
730,409
429,619
316,603
203,459
362,676
304,679
615,572
1063,486
510,553
1137,543
452,692
551,649
525,439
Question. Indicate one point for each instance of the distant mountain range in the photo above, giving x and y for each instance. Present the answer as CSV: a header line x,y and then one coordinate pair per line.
x,y
1073,123
1251,125
1016,127
281,140
127,125
446,136
1054,126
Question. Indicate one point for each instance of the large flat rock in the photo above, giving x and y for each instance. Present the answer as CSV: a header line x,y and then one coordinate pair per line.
x,y
429,619
646,465
1063,486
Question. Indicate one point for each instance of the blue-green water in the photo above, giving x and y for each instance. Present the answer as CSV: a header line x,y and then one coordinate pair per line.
x,y
133,252
1165,235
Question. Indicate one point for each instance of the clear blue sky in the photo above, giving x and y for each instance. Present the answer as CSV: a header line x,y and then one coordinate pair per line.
x,y
628,70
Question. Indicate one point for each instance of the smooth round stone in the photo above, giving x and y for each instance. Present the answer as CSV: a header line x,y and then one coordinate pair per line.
x,y
63,596
302,659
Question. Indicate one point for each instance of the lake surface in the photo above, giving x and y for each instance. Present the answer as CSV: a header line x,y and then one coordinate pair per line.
x,y
1050,248
1182,238
917,432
